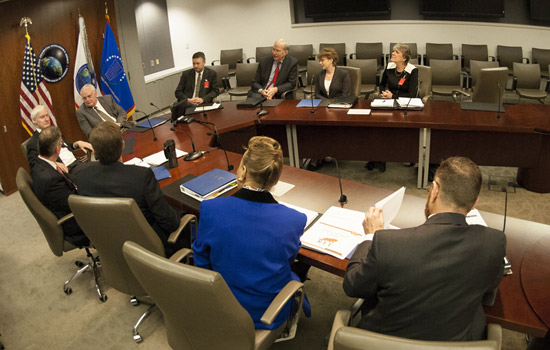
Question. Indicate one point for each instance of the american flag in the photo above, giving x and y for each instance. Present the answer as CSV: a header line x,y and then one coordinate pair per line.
x,y
30,96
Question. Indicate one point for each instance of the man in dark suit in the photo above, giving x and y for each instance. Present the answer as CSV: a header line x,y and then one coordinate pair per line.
x,y
429,282
66,162
275,74
95,110
198,85
111,178
52,187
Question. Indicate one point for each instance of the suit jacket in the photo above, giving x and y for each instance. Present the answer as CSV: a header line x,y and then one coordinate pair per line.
x,y
32,148
53,190
186,86
428,282
88,118
252,241
288,73
130,181
340,86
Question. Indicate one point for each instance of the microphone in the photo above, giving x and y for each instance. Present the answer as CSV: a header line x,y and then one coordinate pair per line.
x,y
498,106
229,165
503,189
262,111
152,104
149,121
193,155
311,94
507,265
343,199
410,98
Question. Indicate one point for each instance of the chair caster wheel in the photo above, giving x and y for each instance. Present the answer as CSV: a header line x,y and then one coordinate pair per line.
x,y
103,298
68,291
134,301
138,338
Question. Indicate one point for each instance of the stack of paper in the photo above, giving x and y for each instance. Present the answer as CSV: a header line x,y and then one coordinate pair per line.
x,y
410,103
383,103
137,161
159,158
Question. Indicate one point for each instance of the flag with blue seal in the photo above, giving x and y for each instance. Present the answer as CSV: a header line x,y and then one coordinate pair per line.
x,y
113,76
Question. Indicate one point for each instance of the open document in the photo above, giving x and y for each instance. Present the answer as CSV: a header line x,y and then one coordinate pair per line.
x,y
390,206
336,233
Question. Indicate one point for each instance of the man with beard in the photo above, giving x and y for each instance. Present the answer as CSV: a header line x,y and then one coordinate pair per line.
x,y
429,282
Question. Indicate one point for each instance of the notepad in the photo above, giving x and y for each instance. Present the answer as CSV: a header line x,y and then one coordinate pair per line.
x,y
309,102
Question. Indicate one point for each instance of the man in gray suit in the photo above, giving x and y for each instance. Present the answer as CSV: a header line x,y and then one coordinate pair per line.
x,y
275,74
429,282
95,110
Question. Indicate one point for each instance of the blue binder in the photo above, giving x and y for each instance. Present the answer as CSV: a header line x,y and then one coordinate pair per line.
x,y
209,182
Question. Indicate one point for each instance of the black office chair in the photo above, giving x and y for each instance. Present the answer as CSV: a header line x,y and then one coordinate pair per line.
x,y
438,52
231,58
53,232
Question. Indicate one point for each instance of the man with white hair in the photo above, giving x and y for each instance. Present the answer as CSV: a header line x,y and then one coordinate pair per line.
x,y
67,162
95,110
275,74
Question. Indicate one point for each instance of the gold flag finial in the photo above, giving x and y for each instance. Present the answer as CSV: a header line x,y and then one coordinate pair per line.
x,y
25,21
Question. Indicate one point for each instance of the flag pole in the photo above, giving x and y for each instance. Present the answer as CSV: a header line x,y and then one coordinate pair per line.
x,y
25,21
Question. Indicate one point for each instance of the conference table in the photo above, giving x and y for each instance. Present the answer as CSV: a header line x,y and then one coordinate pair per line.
x,y
318,192
519,137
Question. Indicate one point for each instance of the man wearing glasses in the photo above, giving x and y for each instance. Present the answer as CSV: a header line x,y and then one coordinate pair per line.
x,y
429,282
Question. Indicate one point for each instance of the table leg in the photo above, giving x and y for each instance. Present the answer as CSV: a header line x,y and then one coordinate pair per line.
x,y
292,140
421,137
426,165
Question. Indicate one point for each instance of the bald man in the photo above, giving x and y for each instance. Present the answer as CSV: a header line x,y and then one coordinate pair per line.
x,y
95,110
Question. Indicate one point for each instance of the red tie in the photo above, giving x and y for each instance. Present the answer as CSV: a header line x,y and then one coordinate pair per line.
x,y
274,81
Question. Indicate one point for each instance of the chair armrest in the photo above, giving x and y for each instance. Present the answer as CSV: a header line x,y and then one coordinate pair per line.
x,y
456,57
465,80
494,332
355,309
424,60
341,319
250,58
514,83
180,254
493,59
284,94
186,219
65,218
526,59
462,61
352,55
311,58
215,62
455,93
280,301
547,89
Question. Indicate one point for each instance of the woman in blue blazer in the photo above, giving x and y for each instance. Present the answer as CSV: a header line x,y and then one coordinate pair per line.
x,y
249,238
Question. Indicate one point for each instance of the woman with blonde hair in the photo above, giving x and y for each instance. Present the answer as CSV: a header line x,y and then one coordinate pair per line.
x,y
249,238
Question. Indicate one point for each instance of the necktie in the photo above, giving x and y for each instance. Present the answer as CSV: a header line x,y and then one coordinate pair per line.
x,y
103,115
68,180
274,80
197,86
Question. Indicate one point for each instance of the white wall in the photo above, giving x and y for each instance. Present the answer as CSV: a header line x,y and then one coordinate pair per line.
x,y
211,25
